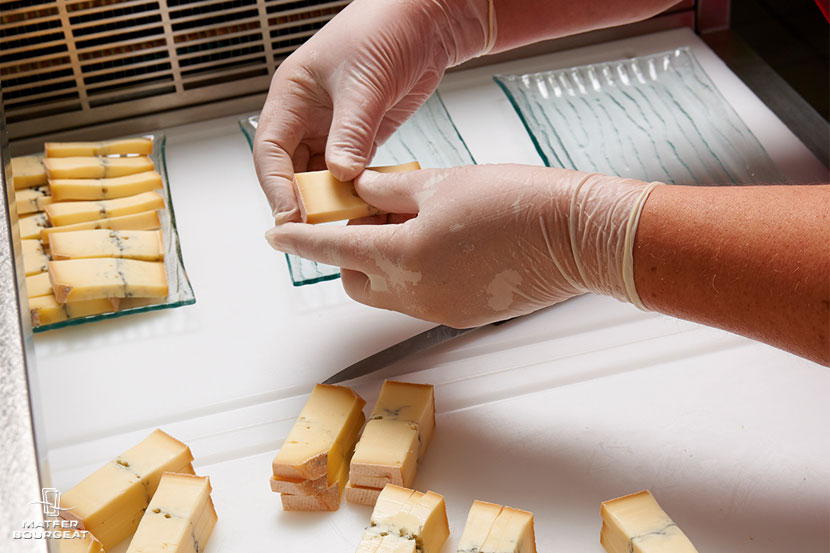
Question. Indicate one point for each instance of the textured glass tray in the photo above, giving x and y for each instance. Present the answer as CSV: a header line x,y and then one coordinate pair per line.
x,y
654,118
180,292
429,137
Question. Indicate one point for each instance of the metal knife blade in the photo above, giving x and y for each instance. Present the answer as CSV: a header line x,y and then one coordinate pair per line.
x,y
383,358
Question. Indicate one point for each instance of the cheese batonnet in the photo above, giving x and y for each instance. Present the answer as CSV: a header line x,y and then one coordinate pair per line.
x,y
147,220
32,200
32,226
35,262
104,189
69,213
144,245
27,172
88,279
124,146
95,167
38,285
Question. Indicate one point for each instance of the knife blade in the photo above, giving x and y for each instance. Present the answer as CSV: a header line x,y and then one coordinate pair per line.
x,y
386,357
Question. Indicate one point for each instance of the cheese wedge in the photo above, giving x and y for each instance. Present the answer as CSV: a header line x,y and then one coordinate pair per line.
x,y
32,200
95,167
323,436
69,213
145,245
636,524
413,516
27,172
124,146
148,220
35,262
109,503
104,189
360,495
81,544
396,436
38,285
89,279
512,532
322,198
32,225
179,519
479,523
326,500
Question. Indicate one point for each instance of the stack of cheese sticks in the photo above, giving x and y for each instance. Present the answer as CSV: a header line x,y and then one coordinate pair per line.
x,y
90,228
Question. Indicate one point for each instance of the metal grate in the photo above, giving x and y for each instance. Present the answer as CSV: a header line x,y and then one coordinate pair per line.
x,y
66,64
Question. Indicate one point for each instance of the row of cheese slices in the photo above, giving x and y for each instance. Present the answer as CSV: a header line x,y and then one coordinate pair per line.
x,y
322,459
150,493
90,228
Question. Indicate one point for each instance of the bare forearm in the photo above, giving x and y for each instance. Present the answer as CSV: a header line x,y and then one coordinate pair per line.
x,y
751,260
521,22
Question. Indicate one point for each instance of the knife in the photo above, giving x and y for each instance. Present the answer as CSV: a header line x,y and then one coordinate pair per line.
x,y
410,346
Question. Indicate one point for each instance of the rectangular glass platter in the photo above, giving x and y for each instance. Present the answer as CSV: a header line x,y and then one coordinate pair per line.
x,y
653,118
180,292
429,137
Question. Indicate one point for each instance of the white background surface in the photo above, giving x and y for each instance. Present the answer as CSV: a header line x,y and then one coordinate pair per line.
x,y
553,413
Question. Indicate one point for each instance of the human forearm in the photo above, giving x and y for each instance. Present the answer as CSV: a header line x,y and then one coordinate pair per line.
x,y
751,260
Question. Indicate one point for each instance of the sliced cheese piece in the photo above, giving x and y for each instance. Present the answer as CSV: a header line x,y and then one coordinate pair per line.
x,y
32,225
85,543
28,171
636,524
512,532
38,285
322,198
69,213
326,500
95,167
109,503
397,544
360,495
414,516
32,200
145,245
104,189
479,522
179,519
323,436
31,245
387,453
369,543
147,220
299,487
46,310
88,279
35,262
404,401
124,146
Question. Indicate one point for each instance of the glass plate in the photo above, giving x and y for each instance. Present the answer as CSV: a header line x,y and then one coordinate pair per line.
x,y
654,118
180,292
429,137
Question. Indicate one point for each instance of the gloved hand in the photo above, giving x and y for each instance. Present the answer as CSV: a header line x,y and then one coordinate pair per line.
x,y
488,242
354,82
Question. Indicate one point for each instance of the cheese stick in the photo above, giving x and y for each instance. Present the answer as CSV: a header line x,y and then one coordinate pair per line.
x,y
32,200
104,189
27,172
69,213
89,279
95,167
124,146
38,285
144,245
147,220
31,226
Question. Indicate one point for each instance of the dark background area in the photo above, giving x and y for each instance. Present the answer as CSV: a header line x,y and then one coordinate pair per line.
x,y
794,39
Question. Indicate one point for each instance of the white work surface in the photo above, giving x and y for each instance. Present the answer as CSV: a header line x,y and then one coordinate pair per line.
x,y
553,413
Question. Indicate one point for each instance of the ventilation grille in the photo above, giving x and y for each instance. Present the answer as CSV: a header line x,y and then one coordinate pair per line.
x,y
70,63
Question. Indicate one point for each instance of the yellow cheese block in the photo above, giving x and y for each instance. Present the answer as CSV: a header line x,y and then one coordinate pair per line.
x,y
95,167
414,516
326,500
38,285
89,279
322,198
86,543
397,544
387,453
512,532
32,245
369,543
360,495
28,171
179,519
145,245
70,213
323,436
46,310
479,522
104,189
124,146
110,502
32,200
35,262
636,524
31,225
147,220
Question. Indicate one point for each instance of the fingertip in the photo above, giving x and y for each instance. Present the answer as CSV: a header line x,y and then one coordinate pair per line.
x,y
345,166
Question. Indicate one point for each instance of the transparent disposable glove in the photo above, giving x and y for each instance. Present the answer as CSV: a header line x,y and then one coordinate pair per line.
x,y
473,245
355,81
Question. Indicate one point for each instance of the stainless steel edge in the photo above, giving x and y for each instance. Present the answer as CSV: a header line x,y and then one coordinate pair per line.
x,y
21,457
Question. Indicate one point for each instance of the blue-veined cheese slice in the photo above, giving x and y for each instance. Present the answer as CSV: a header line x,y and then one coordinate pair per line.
x,y
95,167
635,523
104,189
123,146
70,213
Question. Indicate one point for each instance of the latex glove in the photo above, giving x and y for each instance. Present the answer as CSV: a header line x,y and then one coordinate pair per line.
x,y
488,242
355,81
